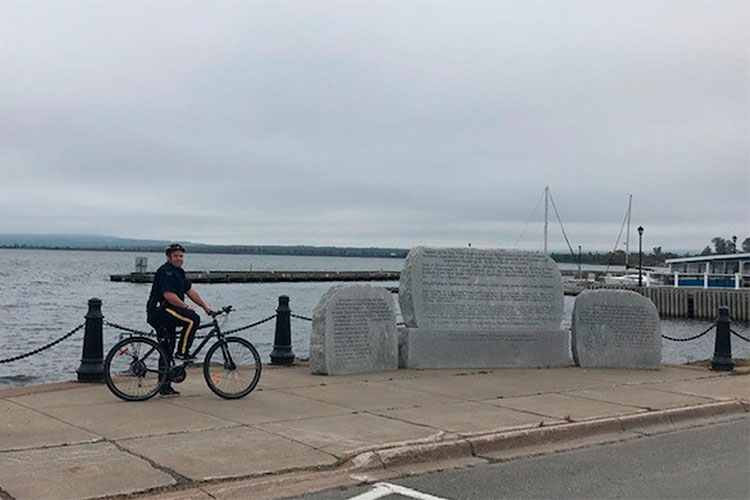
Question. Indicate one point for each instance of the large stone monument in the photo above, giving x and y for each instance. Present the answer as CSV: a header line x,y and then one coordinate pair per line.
x,y
615,329
472,308
354,331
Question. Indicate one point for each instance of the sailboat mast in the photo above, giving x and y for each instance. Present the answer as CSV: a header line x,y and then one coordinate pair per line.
x,y
627,235
546,215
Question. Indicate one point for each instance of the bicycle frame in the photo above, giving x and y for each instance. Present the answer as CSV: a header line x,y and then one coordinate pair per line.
x,y
215,332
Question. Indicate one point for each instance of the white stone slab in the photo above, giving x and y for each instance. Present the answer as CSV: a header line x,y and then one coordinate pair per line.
x,y
615,329
354,331
474,308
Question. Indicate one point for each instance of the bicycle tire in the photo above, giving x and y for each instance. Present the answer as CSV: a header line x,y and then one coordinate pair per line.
x,y
117,368
216,372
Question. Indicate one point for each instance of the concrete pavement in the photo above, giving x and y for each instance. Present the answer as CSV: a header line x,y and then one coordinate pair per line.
x,y
311,432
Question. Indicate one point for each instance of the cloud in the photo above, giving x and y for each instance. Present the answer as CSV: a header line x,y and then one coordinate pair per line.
x,y
375,123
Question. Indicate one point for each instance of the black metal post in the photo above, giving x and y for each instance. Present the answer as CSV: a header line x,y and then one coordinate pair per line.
x,y
722,360
92,360
640,256
580,274
282,342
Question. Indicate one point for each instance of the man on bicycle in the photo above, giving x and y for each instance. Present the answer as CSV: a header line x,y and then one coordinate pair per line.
x,y
166,309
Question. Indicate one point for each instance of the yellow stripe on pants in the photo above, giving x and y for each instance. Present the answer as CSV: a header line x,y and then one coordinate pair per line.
x,y
185,332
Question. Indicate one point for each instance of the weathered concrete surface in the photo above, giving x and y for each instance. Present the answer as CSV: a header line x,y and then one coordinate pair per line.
x,y
118,420
564,407
736,387
22,428
79,471
344,435
641,397
227,453
369,395
296,423
452,417
486,384
262,407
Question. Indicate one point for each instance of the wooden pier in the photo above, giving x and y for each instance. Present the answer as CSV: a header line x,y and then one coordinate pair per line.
x,y
699,303
266,276
682,302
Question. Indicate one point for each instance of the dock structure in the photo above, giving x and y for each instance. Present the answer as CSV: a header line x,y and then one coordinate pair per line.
x,y
698,303
682,302
265,276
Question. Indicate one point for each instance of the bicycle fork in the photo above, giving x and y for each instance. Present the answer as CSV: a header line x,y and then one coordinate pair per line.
x,y
228,361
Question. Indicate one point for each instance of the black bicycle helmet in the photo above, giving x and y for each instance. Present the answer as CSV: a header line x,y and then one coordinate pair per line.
x,y
174,247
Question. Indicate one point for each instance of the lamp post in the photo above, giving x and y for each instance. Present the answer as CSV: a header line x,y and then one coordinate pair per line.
x,y
640,256
580,274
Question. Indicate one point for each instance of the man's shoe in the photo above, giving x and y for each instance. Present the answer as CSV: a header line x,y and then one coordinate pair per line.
x,y
184,357
168,391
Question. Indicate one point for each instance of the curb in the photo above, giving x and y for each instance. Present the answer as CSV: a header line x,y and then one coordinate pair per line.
x,y
476,446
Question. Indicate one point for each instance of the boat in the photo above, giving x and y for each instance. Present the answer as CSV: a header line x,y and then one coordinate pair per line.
x,y
710,271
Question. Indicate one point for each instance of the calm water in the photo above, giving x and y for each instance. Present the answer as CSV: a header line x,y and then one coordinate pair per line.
x,y
43,295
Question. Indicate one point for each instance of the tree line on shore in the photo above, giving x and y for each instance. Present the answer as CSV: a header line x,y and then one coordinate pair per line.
x,y
657,257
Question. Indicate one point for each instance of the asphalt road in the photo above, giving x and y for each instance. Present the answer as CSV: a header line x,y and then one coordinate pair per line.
x,y
705,462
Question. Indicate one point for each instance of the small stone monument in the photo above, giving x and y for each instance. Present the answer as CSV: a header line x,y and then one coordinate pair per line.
x,y
354,331
615,329
475,308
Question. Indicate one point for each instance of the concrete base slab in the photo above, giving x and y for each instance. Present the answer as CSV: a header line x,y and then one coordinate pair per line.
x,y
622,376
640,396
261,407
80,471
452,417
564,407
369,395
86,395
501,383
724,388
345,435
279,377
21,428
225,453
153,417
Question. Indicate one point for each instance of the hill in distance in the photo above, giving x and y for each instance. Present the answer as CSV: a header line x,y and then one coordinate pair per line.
x,y
114,243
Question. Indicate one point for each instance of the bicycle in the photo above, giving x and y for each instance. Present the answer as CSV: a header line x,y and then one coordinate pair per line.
x,y
137,367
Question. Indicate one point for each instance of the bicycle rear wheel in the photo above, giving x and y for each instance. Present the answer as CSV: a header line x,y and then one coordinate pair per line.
x,y
132,368
232,368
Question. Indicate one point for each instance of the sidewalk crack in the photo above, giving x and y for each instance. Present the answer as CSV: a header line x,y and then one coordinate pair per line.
x,y
180,480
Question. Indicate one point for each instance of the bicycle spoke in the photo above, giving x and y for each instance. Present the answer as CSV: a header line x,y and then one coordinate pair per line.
x,y
133,369
241,379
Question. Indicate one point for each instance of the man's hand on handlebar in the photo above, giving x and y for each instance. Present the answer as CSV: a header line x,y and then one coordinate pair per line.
x,y
224,310
208,310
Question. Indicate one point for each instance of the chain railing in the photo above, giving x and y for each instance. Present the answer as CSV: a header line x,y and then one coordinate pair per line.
x,y
673,339
303,318
43,348
738,335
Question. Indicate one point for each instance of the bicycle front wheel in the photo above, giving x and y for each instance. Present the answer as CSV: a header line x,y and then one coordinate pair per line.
x,y
135,368
232,368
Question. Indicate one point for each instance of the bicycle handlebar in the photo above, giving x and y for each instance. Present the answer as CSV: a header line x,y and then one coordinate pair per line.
x,y
224,310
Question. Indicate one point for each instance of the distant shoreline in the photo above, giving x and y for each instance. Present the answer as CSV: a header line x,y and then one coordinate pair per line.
x,y
202,249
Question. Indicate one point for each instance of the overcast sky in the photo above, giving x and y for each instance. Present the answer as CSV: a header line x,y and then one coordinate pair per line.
x,y
376,123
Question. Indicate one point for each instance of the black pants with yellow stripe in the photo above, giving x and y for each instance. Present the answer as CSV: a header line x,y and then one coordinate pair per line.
x,y
169,319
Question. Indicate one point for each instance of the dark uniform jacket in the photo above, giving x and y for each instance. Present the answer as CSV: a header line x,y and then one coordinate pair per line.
x,y
168,278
